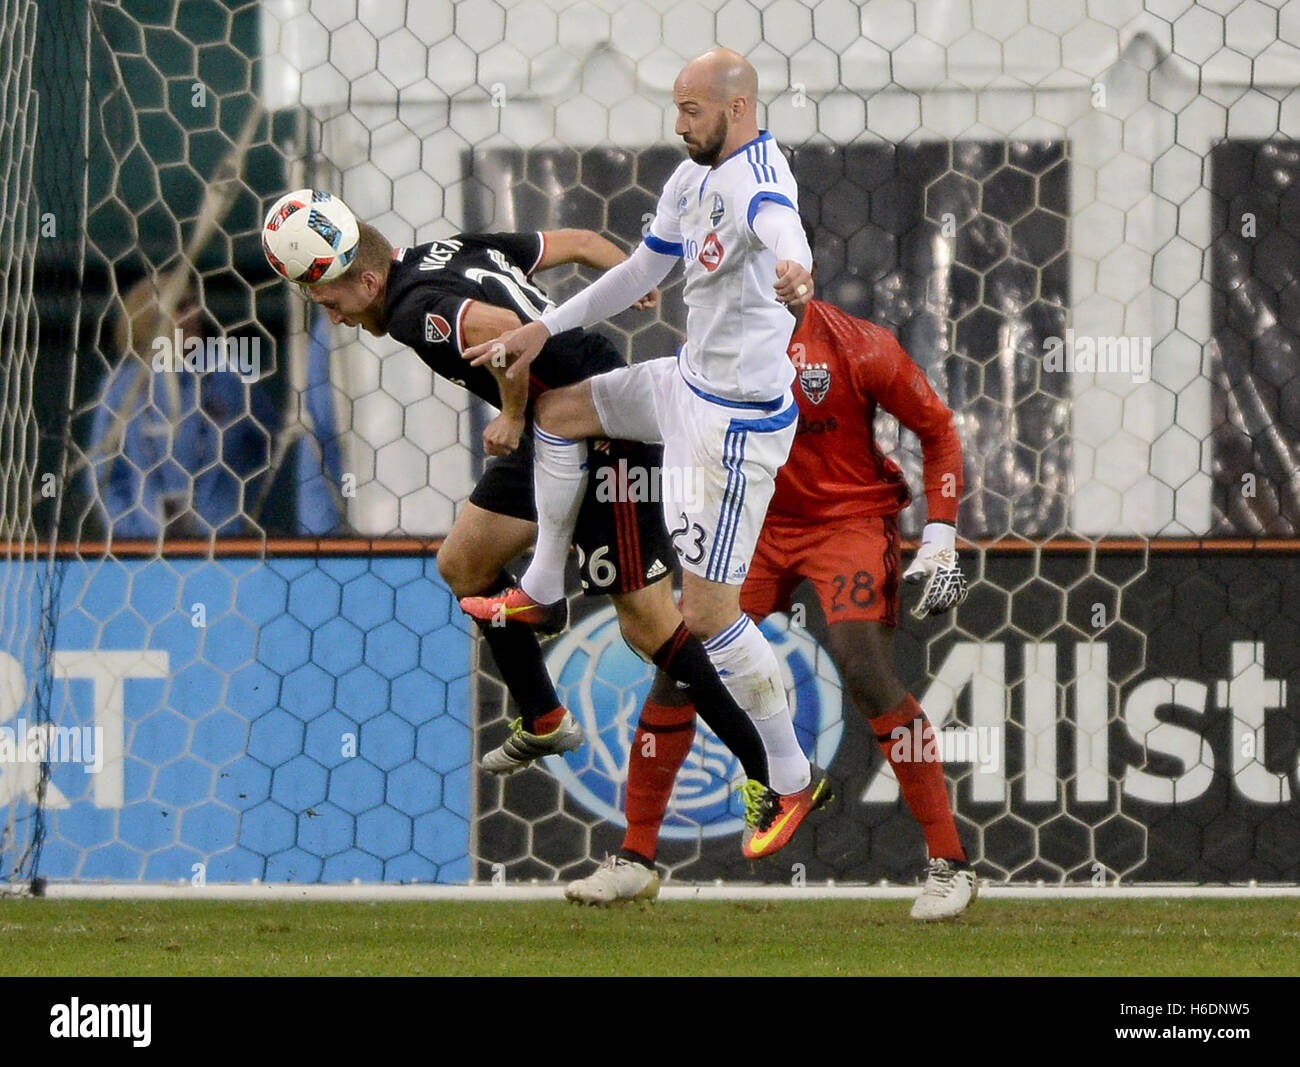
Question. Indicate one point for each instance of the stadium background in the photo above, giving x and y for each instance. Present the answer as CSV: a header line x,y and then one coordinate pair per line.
x,y
981,179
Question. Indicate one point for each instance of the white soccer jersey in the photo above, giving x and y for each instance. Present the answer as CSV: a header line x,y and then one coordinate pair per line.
x,y
736,331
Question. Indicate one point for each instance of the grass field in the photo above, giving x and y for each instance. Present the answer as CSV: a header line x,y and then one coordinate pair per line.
x,y
1250,937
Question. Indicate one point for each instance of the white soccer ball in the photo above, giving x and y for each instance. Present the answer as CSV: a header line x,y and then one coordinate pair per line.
x,y
310,236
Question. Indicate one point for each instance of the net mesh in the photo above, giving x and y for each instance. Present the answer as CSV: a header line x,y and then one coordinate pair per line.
x,y
25,618
1080,220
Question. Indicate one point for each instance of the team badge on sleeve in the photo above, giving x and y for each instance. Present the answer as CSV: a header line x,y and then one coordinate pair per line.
x,y
815,381
436,328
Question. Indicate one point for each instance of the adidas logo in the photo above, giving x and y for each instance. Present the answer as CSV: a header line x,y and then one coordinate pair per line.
x,y
657,569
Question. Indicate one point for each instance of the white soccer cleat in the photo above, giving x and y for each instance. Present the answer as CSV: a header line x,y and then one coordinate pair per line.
x,y
948,891
521,748
615,880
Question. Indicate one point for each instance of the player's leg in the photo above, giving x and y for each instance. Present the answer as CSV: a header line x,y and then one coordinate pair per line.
x,y
856,573
652,625
663,739
624,550
864,654
563,420
720,467
480,543
744,659
493,528
664,732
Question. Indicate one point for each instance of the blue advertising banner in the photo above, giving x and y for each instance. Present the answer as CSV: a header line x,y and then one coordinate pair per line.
x,y
288,720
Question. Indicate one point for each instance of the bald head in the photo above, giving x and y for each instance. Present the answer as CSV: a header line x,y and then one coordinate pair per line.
x,y
716,95
723,74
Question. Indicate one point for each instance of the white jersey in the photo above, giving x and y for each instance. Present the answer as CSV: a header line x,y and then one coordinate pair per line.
x,y
736,331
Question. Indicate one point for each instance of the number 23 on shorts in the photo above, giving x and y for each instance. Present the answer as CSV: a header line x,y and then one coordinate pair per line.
x,y
692,551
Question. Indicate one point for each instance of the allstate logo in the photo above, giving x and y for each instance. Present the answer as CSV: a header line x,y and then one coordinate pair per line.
x,y
603,683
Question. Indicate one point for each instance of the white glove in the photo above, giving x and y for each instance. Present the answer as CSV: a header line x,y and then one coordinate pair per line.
x,y
936,566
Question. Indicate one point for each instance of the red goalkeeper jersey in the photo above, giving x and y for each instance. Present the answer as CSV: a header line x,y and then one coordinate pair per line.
x,y
846,369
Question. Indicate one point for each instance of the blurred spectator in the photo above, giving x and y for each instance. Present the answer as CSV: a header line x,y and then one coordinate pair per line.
x,y
175,452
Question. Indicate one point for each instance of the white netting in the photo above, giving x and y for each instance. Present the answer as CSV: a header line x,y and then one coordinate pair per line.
x,y
24,622
1080,219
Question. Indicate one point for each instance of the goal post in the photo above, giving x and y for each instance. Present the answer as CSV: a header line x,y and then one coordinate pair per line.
x,y
1079,219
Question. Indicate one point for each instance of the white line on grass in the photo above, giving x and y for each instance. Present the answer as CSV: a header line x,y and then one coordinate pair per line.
x,y
555,891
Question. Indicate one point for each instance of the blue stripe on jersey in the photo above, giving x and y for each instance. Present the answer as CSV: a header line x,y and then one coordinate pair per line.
x,y
763,135
753,164
767,425
766,194
664,248
733,455
757,405
737,509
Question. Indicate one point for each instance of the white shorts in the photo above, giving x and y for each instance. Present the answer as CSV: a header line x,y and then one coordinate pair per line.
x,y
720,460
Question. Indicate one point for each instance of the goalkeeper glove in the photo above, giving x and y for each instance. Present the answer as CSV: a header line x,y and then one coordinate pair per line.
x,y
936,566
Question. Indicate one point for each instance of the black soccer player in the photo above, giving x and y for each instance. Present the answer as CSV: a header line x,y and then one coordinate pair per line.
x,y
445,296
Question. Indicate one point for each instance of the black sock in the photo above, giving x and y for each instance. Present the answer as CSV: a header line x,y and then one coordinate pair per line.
x,y
682,658
518,657
636,857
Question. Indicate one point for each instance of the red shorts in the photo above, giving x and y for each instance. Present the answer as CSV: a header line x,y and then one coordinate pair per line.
x,y
854,564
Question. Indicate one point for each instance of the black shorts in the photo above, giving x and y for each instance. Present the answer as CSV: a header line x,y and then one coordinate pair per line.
x,y
622,542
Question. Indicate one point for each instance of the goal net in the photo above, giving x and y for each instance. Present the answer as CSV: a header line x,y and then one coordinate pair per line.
x,y
226,644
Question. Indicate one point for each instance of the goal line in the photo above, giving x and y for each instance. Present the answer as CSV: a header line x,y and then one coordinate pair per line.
x,y
672,893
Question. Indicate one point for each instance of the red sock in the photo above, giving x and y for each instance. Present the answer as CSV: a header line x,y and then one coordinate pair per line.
x,y
659,747
920,779
548,723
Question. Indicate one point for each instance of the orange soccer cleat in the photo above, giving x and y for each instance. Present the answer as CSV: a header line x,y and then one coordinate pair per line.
x,y
771,818
514,605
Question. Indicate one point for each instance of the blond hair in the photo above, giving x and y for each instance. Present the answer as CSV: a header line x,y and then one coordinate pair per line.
x,y
373,253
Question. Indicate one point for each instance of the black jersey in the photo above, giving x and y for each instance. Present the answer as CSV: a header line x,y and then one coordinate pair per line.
x,y
430,287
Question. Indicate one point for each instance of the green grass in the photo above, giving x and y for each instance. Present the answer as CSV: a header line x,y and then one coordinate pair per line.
x,y
816,937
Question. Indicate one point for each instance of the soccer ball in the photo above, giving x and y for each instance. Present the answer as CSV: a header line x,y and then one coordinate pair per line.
x,y
309,236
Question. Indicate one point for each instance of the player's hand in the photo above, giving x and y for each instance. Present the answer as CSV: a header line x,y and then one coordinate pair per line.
x,y
794,285
501,435
936,565
513,350
650,300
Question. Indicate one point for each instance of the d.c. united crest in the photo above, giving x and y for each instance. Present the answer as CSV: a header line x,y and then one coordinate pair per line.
x,y
815,381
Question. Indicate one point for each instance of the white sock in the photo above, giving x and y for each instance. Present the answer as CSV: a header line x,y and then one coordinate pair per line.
x,y
559,483
748,668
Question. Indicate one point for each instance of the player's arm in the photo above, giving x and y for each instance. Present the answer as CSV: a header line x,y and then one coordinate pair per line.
x,y
483,323
776,223
615,290
901,388
588,249
618,288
